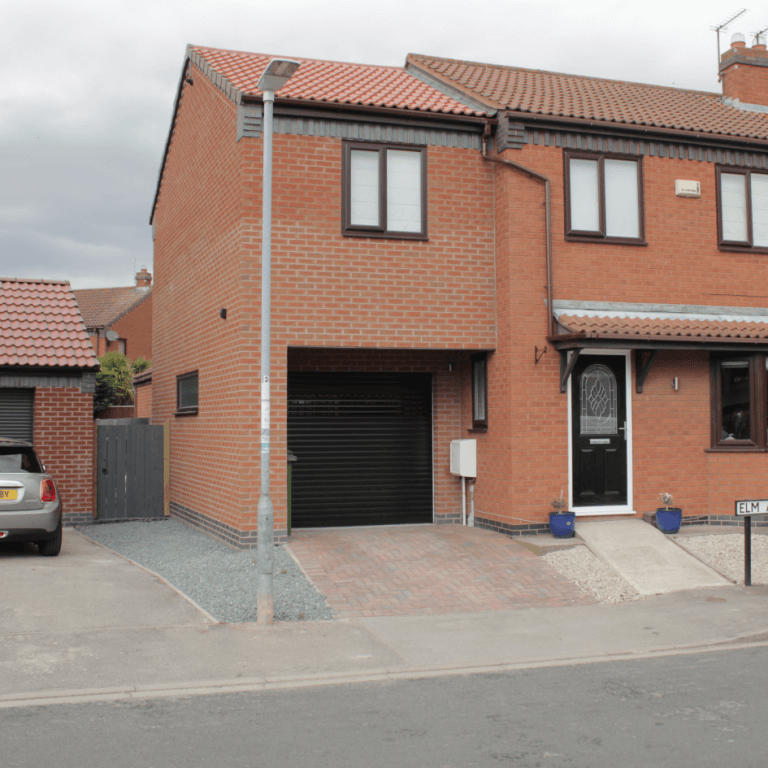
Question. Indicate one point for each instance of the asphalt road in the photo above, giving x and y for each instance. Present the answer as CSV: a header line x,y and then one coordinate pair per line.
x,y
698,709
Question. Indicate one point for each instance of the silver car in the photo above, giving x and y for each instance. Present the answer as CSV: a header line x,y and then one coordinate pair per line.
x,y
30,506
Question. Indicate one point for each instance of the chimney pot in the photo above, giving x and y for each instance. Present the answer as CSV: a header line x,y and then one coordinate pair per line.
x,y
744,71
143,278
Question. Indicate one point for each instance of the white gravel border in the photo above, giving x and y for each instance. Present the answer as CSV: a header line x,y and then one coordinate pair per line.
x,y
585,569
722,551
725,553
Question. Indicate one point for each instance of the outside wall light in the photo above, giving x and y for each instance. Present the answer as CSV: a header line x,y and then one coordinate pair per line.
x,y
275,76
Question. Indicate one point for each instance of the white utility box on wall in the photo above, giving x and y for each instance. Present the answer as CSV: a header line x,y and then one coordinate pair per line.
x,y
464,458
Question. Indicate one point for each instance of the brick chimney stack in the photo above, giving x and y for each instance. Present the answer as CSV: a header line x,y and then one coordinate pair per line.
x,y
744,72
143,278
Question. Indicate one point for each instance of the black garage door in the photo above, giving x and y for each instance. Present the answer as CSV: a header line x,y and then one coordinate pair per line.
x,y
16,414
364,448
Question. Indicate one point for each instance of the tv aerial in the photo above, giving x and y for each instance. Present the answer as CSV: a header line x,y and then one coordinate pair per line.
x,y
723,27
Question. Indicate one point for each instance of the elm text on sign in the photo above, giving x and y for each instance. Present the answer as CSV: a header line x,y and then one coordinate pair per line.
x,y
752,507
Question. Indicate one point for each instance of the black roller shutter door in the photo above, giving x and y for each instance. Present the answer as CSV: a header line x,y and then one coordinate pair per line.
x,y
364,448
16,413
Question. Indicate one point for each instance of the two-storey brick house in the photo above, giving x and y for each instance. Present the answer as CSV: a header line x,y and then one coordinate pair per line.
x,y
383,285
567,269
651,252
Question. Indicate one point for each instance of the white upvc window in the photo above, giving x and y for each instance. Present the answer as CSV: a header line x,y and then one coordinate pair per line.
x,y
742,197
384,188
603,198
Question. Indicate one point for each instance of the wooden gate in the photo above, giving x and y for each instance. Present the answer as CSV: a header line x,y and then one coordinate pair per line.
x,y
129,465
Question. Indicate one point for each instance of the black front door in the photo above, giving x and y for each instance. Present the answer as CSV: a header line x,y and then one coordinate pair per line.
x,y
599,423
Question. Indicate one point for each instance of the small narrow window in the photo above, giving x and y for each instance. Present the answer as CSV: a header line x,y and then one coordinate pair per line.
x,y
479,391
187,394
384,190
603,198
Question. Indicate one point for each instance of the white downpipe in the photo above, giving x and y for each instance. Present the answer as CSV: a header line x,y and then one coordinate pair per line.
x,y
463,500
471,521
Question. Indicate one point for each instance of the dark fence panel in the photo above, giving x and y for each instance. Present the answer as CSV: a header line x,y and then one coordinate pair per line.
x,y
129,460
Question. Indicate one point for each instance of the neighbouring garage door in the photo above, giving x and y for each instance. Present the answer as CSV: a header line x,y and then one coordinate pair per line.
x,y
364,447
16,413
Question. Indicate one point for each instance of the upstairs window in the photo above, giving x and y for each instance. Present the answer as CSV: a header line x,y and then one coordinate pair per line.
x,y
385,190
742,201
603,198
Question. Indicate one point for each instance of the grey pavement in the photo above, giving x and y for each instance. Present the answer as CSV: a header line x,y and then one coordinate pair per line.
x,y
90,626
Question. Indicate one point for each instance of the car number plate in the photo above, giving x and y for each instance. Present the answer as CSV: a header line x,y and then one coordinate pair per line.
x,y
8,495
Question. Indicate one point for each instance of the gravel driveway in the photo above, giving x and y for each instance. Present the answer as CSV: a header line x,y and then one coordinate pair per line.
x,y
218,578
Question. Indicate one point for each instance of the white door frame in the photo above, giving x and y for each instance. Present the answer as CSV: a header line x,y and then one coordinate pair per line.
x,y
617,509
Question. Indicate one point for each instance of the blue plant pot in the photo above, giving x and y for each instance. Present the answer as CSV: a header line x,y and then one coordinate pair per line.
x,y
561,525
668,520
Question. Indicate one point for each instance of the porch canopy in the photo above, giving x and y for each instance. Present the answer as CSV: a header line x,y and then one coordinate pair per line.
x,y
648,328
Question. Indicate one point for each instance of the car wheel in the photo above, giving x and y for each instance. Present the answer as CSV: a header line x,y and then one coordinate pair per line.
x,y
50,547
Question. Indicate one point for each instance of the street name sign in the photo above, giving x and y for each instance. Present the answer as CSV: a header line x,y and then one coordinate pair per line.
x,y
746,508
752,507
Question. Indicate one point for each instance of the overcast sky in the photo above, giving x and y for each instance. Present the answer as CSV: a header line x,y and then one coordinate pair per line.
x,y
87,88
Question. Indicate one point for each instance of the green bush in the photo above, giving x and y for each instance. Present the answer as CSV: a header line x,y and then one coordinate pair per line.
x,y
113,381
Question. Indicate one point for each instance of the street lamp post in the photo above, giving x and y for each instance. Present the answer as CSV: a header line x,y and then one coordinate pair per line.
x,y
275,76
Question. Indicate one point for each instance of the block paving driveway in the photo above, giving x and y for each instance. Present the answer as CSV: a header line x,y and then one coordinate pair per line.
x,y
427,569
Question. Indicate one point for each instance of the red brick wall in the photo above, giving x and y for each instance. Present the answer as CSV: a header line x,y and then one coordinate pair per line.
x,y
200,267
136,329
144,401
523,459
479,283
328,290
64,440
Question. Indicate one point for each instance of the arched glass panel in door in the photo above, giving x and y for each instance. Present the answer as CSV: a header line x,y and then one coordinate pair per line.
x,y
598,401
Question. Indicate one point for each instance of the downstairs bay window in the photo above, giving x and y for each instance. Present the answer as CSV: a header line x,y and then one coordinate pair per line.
x,y
739,402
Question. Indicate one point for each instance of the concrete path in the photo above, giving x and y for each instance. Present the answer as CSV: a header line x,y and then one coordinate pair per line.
x,y
89,626
646,558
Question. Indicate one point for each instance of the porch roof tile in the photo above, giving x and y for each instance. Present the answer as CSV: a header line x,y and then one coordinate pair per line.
x,y
714,327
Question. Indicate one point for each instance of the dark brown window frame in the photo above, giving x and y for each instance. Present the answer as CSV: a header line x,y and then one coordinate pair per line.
x,y
758,394
186,410
479,424
350,230
736,245
600,235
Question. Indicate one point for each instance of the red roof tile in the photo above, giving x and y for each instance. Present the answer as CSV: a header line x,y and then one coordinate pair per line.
x,y
670,327
335,82
103,306
591,98
40,325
